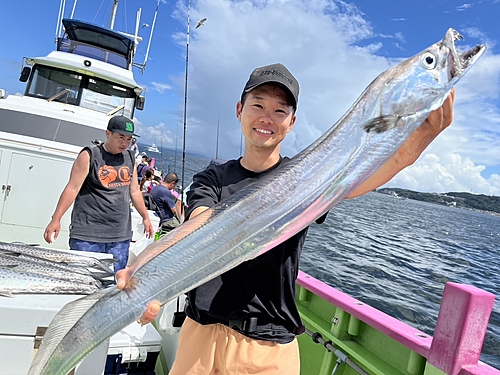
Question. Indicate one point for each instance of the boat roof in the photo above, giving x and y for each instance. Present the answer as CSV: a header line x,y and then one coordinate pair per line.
x,y
85,32
75,63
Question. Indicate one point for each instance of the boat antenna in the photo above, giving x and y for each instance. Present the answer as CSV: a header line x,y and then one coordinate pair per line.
x,y
62,5
136,35
142,66
113,15
73,10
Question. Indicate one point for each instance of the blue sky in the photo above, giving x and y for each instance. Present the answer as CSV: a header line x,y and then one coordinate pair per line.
x,y
334,48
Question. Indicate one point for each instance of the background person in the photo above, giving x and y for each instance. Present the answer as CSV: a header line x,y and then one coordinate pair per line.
x,y
103,180
157,179
167,206
245,321
143,167
147,181
134,147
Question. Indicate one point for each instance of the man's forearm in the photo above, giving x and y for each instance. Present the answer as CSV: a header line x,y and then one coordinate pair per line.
x,y
66,199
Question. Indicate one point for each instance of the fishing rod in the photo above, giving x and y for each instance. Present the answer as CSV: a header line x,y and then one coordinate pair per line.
x,y
185,110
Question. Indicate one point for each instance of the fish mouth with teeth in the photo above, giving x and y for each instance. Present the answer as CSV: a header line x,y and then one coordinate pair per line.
x,y
460,62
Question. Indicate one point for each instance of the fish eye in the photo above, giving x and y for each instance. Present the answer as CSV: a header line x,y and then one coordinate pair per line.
x,y
428,60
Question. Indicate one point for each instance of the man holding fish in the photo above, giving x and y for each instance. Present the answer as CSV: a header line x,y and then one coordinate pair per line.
x,y
245,320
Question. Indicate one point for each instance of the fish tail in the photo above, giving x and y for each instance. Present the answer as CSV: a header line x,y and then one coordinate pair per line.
x,y
104,265
61,324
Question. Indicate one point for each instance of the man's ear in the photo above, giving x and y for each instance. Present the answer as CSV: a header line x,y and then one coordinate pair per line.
x,y
239,107
292,123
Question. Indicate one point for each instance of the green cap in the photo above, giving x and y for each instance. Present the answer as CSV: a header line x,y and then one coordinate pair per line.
x,y
122,125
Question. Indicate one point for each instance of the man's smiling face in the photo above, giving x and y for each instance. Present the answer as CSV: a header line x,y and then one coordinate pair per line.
x,y
266,116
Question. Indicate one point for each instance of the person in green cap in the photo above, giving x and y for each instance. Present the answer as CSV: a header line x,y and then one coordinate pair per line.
x,y
102,182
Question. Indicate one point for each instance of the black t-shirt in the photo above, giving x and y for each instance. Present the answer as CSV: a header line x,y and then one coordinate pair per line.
x,y
263,287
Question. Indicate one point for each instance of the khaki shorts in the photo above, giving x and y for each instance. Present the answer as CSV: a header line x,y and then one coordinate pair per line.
x,y
218,349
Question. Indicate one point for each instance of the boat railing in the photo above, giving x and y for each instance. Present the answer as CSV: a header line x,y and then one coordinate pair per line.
x,y
359,330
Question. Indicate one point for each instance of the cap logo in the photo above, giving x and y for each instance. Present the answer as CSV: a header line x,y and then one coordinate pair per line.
x,y
129,127
275,72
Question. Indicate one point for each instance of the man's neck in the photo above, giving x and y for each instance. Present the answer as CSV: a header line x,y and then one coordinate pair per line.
x,y
106,148
261,160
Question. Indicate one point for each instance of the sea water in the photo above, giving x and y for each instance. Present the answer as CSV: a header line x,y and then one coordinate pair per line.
x,y
397,254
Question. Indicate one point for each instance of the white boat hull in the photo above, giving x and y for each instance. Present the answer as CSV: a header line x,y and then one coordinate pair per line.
x,y
33,174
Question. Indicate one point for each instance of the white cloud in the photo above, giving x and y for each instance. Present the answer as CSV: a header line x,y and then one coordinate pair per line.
x,y
450,172
463,7
160,87
158,134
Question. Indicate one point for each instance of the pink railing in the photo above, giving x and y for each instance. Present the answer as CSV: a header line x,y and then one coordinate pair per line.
x,y
460,329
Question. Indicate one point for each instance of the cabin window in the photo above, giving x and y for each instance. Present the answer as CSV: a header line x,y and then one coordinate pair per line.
x,y
94,52
55,85
64,86
106,97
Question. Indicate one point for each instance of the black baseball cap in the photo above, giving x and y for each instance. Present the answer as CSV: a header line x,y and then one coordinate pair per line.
x,y
274,73
122,125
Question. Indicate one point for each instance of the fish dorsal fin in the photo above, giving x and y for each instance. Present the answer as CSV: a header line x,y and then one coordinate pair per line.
x,y
381,124
61,324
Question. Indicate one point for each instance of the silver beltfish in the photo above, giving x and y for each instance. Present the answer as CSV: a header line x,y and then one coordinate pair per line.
x,y
21,282
44,268
262,215
56,256
82,270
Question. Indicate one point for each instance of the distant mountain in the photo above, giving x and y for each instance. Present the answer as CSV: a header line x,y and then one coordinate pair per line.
x,y
483,203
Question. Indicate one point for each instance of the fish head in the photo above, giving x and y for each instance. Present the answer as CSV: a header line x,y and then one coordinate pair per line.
x,y
438,68
420,84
